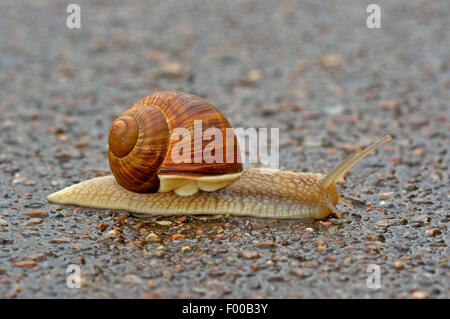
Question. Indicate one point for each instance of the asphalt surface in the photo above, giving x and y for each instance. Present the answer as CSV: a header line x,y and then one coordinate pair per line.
x,y
313,69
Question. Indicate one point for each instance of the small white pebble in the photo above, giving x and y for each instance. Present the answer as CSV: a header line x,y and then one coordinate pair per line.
x,y
309,229
112,233
33,221
385,195
185,249
152,237
164,222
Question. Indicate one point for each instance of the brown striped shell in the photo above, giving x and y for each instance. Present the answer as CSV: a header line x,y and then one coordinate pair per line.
x,y
140,146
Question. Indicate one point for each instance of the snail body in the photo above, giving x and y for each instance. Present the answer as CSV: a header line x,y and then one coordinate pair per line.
x,y
202,187
255,193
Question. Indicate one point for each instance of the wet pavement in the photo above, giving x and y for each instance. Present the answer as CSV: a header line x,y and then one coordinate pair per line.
x,y
312,69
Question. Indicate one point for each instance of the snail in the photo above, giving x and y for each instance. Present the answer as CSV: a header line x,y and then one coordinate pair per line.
x,y
148,178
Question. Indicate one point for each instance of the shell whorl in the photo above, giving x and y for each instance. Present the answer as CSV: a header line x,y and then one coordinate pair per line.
x,y
123,136
140,143
137,170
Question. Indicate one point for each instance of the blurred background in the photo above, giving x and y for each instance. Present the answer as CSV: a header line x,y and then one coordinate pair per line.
x,y
311,68
316,71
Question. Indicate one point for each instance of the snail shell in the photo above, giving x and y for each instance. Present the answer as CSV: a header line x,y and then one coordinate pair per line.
x,y
141,145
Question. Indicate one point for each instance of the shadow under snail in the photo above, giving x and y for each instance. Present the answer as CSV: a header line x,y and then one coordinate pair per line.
x,y
147,180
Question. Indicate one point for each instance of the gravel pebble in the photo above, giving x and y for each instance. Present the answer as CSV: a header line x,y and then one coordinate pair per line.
x,y
25,263
266,244
432,232
186,249
33,221
390,222
419,294
164,222
398,265
300,272
152,237
59,240
249,254
36,213
131,279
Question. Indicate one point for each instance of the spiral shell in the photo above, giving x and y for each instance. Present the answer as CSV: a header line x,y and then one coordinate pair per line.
x,y
141,145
